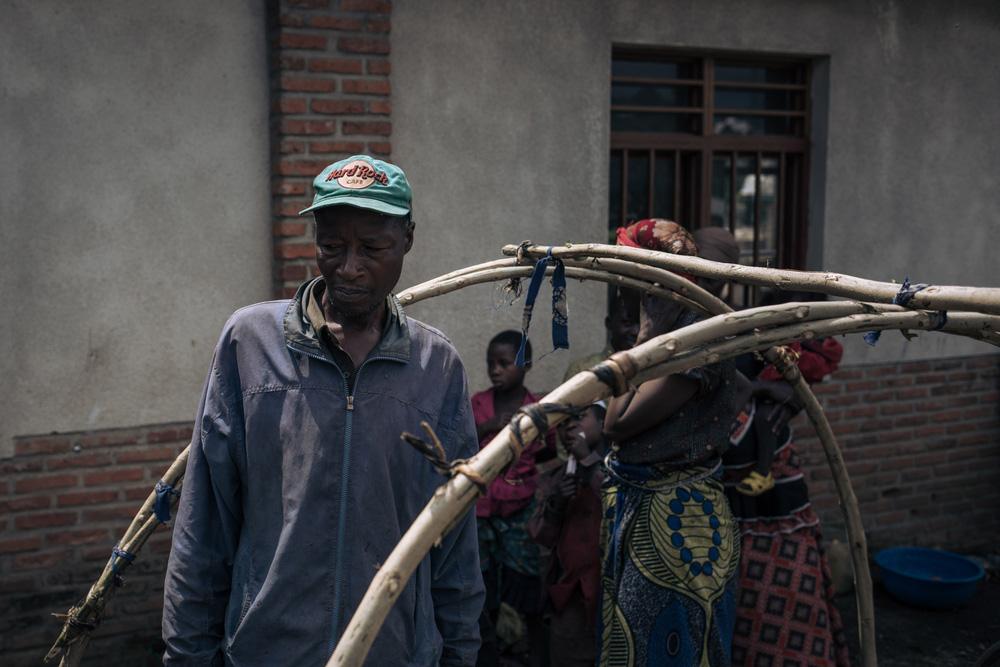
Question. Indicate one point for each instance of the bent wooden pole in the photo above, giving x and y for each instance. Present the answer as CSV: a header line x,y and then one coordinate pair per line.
x,y
83,618
645,270
642,263
579,270
453,498
934,297
638,260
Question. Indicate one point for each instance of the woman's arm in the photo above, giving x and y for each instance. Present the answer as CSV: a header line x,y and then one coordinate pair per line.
x,y
647,406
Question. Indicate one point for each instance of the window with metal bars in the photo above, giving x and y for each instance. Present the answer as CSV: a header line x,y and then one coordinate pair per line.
x,y
713,140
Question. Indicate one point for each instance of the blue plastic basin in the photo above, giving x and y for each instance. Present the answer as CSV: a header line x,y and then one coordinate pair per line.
x,y
928,577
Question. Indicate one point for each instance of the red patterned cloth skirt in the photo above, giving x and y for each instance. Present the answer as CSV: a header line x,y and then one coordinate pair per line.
x,y
785,614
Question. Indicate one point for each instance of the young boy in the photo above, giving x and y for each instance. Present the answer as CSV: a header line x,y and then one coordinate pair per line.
x,y
567,520
508,556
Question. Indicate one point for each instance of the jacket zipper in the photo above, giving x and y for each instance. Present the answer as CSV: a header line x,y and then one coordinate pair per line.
x,y
247,600
339,575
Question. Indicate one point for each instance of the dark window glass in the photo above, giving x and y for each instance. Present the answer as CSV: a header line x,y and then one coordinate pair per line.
x,y
767,222
742,98
655,95
637,121
638,186
757,125
776,73
615,199
656,69
664,184
746,192
721,190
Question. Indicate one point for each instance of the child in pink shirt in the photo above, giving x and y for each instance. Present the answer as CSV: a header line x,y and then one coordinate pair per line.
x,y
509,557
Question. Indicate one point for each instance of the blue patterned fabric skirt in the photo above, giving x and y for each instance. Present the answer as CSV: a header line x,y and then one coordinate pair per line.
x,y
670,562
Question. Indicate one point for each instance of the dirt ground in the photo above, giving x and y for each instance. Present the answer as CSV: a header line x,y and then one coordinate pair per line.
x,y
913,637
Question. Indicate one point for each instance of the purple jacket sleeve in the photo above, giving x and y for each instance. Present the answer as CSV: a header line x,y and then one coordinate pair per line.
x,y
206,531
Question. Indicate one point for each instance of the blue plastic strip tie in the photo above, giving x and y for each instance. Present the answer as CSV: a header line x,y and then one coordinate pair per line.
x,y
161,505
119,553
903,298
907,291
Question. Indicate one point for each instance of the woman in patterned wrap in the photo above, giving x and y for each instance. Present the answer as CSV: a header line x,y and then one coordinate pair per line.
x,y
669,543
785,612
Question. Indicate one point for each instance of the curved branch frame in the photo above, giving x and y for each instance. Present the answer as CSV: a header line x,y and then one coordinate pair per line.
x,y
934,297
701,343
835,284
454,497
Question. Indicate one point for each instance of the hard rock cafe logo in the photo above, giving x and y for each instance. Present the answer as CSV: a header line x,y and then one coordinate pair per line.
x,y
357,175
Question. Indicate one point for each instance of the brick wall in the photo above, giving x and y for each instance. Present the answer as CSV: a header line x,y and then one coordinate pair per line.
x,y
922,444
64,502
330,74
921,440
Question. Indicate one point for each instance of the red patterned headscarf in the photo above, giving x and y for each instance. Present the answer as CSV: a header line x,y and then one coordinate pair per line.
x,y
659,234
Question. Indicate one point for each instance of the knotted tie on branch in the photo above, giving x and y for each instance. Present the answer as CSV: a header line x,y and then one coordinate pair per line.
x,y
120,559
560,312
161,506
537,413
616,372
903,298
432,450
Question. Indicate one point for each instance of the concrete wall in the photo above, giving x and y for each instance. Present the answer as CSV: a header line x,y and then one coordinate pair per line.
x,y
501,122
501,117
134,200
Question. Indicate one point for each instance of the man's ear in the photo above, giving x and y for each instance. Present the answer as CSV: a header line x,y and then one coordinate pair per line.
x,y
409,236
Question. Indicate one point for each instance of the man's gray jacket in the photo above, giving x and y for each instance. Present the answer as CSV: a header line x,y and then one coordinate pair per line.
x,y
297,488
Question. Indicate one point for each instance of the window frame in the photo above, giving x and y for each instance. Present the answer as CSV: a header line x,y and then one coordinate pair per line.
x,y
792,216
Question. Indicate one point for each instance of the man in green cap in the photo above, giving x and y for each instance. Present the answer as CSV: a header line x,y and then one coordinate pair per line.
x,y
298,487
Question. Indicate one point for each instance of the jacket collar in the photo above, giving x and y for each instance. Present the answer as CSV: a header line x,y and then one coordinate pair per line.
x,y
302,336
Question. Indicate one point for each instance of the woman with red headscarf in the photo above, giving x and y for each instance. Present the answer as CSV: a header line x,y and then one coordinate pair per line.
x,y
670,547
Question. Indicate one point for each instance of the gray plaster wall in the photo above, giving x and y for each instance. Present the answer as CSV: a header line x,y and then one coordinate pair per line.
x,y
134,204
500,119
500,114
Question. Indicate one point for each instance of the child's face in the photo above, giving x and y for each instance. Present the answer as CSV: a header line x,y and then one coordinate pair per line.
x,y
503,371
581,435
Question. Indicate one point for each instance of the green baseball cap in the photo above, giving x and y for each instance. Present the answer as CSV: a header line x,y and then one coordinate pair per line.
x,y
364,182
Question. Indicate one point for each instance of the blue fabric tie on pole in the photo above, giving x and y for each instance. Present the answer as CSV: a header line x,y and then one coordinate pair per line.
x,y
903,298
161,505
118,552
560,311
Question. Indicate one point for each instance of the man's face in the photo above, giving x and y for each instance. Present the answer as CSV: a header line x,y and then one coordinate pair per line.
x,y
360,256
501,365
